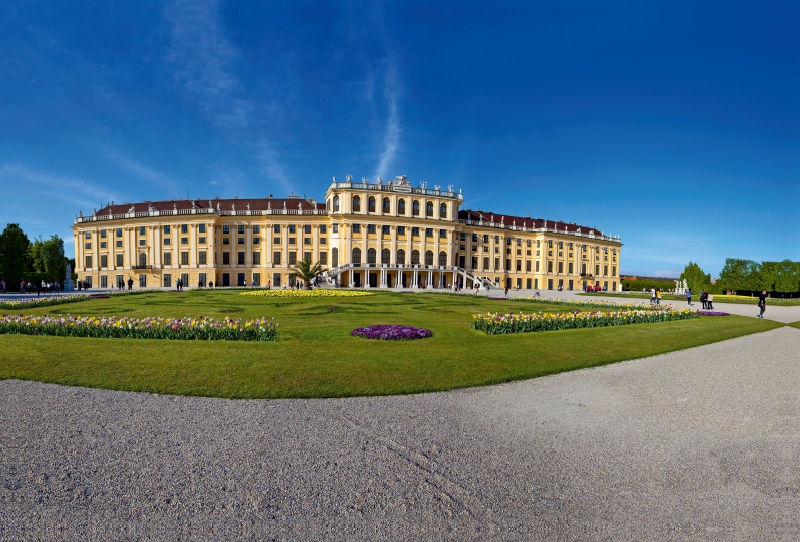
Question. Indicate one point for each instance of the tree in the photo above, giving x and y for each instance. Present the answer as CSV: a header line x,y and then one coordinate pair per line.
x,y
306,272
738,274
788,278
767,276
16,261
48,260
696,278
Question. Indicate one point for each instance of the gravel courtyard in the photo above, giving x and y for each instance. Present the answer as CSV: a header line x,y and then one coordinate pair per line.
x,y
700,444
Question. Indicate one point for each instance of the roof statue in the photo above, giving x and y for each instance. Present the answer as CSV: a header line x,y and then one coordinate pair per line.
x,y
349,178
300,205
380,179
217,206
94,211
269,204
364,180
174,206
248,206
334,178
233,206
284,205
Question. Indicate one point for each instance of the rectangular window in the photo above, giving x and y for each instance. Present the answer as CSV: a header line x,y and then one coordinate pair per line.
x,y
293,258
226,258
226,229
167,280
167,258
386,230
184,279
142,281
240,240
414,232
184,258
292,240
103,244
276,240
276,228
88,262
485,238
401,230
226,240
549,267
201,257
486,264
306,240
88,235
276,258
256,229
103,236
570,268
167,240
528,267
88,245
307,256
119,232
356,228
256,258
240,229
276,280
256,279
202,229
336,228
119,260
537,266
184,229
292,229
323,229
508,265
462,247
142,242
103,261
596,269
184,240
428,232
256,240
614,271
474,237
519,265
201,279
307,229
371,228
240,258
323,240
323,257
605,270
560,267
442,234
496,264
201,240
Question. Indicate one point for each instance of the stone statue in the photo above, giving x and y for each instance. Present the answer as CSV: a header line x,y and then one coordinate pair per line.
x,y
69,286
334,178
364,180
380,180
248,206
233,206
349,178
269,205
174,206
217,206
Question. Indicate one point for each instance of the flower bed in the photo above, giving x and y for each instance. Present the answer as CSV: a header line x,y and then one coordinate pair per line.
x,y
587,303
307,293
41,302
495,324
198,329
392,333
712,313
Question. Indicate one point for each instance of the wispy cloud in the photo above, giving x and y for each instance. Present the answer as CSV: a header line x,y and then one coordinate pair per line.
x,y
268,157
391,138
202,60
142,171
82,193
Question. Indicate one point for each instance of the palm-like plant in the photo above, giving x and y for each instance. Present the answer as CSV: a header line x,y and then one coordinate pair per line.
x,y
307,272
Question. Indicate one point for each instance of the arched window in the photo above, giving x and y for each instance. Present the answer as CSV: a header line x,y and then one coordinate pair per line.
x,y
386,256
401,207
415,257
142,260
429,257
443,258
429,208
415,208
335,204
357,256
443,211
371,255
371,204
401,256
356,204
335,257
387,207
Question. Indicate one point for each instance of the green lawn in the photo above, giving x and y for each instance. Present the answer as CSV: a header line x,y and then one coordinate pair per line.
x,y
316,357
788,302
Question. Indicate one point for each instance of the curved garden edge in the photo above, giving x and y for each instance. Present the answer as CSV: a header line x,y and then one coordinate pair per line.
x,y
323,370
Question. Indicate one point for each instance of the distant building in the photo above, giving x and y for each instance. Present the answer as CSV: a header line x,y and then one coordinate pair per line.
x,y
373,235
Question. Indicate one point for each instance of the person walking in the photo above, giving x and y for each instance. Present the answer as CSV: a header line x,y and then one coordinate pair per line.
x,y
710,301
505,290
130,284
703,297
762,303
658,297
689,296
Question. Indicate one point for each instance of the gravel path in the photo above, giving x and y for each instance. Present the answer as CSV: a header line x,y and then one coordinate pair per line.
x,y
701,444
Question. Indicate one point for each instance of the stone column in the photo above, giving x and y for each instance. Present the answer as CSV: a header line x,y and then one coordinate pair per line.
x,y
193,246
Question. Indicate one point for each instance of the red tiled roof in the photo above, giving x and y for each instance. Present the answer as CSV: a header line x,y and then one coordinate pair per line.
x,y
520,221
259,204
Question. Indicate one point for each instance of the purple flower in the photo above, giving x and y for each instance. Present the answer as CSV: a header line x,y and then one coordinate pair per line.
x,y
391,332
712,313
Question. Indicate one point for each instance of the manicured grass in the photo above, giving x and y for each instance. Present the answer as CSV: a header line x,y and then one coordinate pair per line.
x,y
696,299
316,357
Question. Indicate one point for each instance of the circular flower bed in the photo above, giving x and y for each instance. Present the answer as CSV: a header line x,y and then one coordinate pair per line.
x,y
712,313
307,293
392,333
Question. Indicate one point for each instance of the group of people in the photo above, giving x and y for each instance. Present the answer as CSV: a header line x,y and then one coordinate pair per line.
x,y
707,299
27,286
655,296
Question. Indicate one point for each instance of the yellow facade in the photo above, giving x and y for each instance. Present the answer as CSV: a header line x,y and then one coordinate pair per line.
x,y
374,235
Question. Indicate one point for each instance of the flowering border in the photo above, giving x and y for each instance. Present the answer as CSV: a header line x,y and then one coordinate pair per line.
x,y
587,303
713,313
388,332
307,293
496,324
16,304
197,329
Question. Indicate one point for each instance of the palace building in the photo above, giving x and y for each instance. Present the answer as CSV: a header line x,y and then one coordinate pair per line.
x,y
371,235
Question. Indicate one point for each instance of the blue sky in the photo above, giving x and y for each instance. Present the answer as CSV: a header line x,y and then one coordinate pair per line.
x,y
675,126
